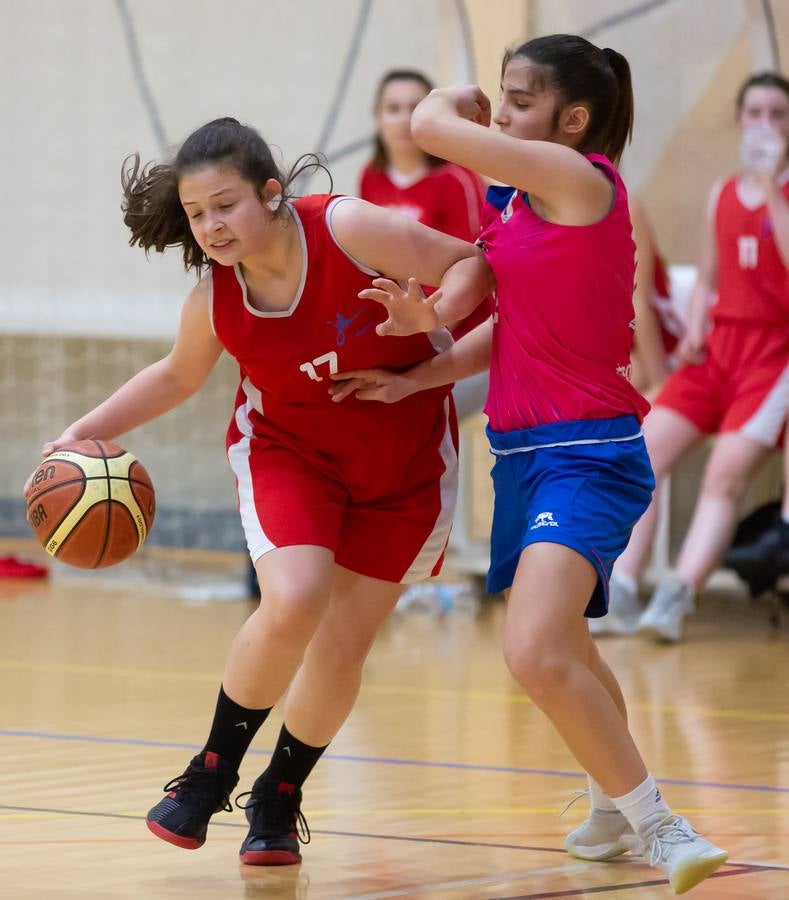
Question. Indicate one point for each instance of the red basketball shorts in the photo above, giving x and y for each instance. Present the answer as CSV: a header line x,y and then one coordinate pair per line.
x,y
743,385
381,500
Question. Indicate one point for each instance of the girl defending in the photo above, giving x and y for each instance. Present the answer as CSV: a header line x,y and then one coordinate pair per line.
x,y
572,474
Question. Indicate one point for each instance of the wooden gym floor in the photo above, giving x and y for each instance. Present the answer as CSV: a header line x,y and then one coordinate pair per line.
x,y
444,783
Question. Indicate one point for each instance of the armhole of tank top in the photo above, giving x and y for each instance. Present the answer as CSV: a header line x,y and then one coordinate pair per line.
x,y
209,279
608,169
359,265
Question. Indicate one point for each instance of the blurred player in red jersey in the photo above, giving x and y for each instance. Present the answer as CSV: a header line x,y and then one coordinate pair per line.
x,y
734,381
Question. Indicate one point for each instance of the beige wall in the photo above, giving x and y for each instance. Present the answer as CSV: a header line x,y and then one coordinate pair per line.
x,y
687,60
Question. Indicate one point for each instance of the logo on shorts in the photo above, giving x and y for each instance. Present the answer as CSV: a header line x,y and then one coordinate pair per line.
x,y
544,519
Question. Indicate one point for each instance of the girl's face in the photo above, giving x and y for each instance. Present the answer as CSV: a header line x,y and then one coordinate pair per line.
x,y
226,216
399,99
526,109
763,105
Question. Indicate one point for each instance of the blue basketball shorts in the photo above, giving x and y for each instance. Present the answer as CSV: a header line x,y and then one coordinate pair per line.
x,y
582,484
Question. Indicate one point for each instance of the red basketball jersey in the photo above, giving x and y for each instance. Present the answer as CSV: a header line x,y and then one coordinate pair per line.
x,y
286,356
753,282
447,198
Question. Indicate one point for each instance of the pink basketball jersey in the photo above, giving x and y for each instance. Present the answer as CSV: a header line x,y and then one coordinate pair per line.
x,y
753,282
564,316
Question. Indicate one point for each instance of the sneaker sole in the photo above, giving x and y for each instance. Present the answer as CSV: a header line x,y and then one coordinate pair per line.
x,y
597,853
186,843
693,872
270,858
656,634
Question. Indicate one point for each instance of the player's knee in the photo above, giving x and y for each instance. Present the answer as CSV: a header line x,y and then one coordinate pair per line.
x,y
293,609
540,671
343,656
724,482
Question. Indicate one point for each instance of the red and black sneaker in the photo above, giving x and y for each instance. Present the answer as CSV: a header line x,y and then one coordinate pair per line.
x,y
276,824
192,798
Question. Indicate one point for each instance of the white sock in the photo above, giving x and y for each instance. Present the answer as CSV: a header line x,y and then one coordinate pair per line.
x,y
598,797
643,806
627,581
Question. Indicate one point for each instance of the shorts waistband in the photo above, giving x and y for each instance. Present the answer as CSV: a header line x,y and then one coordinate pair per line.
x,y
563,434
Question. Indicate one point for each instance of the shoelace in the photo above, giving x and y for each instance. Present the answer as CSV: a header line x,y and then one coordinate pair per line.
x,y
574,799
281,808
191,782
671,831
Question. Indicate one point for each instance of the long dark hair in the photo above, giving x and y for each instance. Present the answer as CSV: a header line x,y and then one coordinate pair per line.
x,y
580,72
151,206
380,158
761,79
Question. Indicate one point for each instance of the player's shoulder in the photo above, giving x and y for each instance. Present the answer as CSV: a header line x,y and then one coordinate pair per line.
x,y
201,294
452,173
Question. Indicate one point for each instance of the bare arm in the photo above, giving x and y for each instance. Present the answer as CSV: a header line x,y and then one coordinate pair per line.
x,y
470,355
160,386
691,347
779,215
453,123
402,248
650,366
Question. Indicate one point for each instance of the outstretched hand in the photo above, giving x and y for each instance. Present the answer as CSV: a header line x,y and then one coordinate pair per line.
x,y
410,312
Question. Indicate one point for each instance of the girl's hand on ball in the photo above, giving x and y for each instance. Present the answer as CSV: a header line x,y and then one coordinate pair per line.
x,y
67,437
50,447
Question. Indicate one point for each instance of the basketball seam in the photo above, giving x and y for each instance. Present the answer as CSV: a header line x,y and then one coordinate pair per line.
x,y
53,487
109,509
65,515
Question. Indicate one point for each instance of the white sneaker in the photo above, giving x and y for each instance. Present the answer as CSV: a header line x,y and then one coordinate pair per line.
x,y
663,618
624,610
683,854
603,835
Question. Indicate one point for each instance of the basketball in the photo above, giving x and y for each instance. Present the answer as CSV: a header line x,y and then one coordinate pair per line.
x,y
91,504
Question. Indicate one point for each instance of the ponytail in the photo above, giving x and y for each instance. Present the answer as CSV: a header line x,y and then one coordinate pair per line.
x,y
577,71
620,127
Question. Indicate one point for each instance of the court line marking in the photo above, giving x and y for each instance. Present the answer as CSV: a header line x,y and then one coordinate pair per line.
x,y
518,698
732,868
417,839
470,882
381,760
609,888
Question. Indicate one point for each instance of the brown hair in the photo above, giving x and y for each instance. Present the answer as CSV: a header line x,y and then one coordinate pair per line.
x,y
761,79
151,205
580,72
380,158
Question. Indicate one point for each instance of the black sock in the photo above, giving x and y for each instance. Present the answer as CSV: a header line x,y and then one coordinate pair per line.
x,y
292,761
233,728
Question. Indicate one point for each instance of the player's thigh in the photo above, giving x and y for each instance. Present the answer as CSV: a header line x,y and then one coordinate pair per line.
x,y
732,462
668,435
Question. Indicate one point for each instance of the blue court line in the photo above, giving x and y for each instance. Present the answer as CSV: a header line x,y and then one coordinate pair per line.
x,y
382,760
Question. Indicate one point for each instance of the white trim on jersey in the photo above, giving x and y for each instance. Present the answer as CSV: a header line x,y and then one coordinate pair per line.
x,y
436,543
279,313
254,397
360,266
238,457
765,425
614,440
209,277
